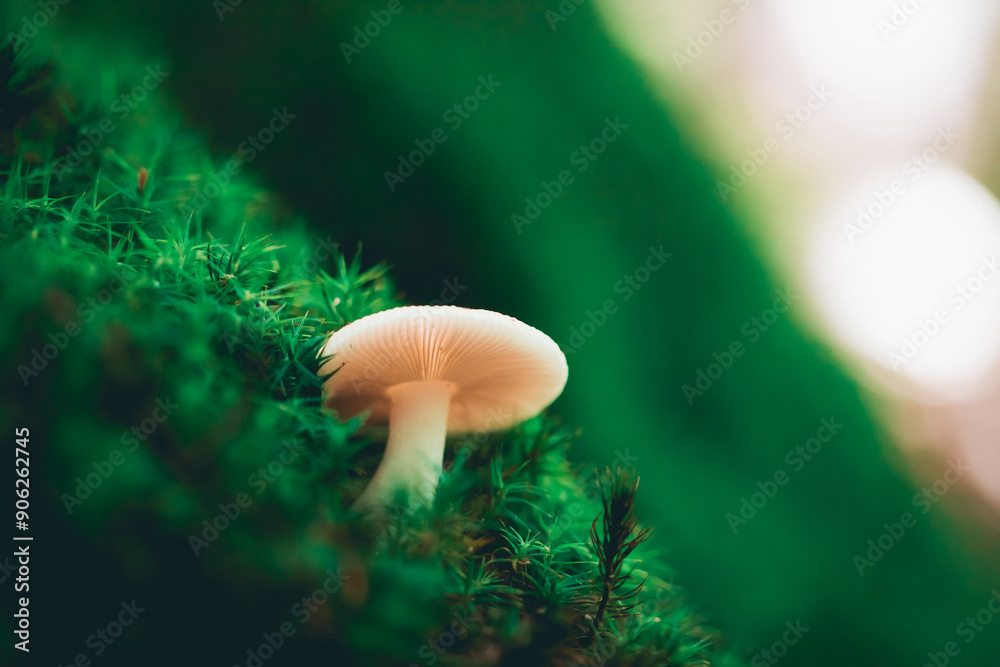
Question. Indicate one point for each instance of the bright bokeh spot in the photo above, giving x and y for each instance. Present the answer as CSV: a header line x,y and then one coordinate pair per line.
x,y
896,68
910,278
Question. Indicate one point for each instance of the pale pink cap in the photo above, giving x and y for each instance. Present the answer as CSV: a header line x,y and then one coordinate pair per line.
x,y
502,370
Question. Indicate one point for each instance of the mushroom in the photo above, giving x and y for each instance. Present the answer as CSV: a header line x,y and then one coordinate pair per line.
x,y
430,371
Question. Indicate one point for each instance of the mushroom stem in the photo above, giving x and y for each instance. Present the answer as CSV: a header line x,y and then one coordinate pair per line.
x,y
414,452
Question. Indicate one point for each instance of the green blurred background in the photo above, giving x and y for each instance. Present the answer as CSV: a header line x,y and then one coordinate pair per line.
x,y
450,224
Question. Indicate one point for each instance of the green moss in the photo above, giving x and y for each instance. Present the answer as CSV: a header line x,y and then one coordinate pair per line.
x,y
183,340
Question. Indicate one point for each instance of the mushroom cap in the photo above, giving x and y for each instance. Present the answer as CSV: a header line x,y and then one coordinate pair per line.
x,y
502,370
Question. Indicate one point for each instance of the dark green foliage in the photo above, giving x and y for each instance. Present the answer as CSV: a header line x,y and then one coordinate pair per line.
x,y
614,543
23,85
212,316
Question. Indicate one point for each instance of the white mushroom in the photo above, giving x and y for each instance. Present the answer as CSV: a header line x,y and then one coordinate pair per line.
x,y
430,371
